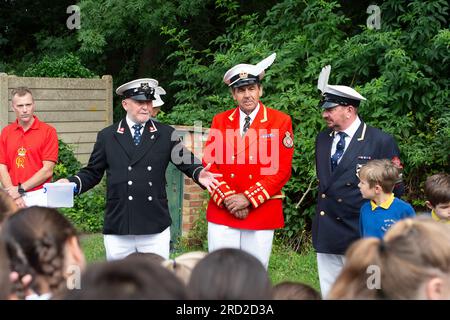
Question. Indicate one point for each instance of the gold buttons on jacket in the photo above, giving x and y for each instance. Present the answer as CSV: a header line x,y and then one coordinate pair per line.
x,y
322,213
232,175
250,176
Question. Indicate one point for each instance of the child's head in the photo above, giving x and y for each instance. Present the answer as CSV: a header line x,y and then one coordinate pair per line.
x,y
7,206
230,274
437,193
43,243
183,265
288,290
133,278
377,176
412,262
4,273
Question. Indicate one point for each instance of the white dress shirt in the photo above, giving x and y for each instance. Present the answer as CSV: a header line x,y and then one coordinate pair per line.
x,y
242,116
350,131
131,124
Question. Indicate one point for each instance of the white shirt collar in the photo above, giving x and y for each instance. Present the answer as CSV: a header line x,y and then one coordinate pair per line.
x,y
350,131
131,123
242,117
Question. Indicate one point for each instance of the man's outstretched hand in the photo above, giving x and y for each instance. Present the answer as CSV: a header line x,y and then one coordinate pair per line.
x,y
208,179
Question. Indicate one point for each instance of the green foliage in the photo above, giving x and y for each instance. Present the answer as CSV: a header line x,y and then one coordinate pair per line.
x,y
402,70
87,212
93,247
67,66
67,164
288,265
197,238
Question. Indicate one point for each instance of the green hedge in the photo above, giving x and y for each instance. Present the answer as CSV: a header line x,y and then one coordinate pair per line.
x,y
402,70
88,211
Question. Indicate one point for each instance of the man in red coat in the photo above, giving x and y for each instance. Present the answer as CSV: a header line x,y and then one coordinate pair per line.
x,y
252,147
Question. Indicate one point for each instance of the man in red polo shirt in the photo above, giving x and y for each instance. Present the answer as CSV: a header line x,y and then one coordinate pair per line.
x,y
28,152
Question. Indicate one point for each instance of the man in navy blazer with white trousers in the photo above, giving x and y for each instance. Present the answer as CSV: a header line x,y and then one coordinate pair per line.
x,y
341,150
135,153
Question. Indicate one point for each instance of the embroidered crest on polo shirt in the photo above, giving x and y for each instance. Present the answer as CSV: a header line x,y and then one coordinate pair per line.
x,y
287,140
20,160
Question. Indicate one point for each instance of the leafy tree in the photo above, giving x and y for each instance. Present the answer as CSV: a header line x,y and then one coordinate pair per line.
x,y
30,29
67,66
402,70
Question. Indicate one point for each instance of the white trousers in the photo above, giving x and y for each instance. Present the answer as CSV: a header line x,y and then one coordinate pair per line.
x,y
256,242
118,246
329,266
35,198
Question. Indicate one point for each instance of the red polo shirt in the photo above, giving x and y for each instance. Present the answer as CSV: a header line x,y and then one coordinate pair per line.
x,y
23,152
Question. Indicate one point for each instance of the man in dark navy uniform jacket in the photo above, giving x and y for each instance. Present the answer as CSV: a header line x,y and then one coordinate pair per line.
x,y
347,144
135,153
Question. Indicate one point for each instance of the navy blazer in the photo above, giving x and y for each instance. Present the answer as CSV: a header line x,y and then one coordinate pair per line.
x,y
336,222
136,182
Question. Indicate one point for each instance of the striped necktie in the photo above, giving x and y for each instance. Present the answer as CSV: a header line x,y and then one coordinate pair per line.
x,y
246,125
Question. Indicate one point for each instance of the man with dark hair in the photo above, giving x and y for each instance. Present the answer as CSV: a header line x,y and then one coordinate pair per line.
x,y
28,152
341,150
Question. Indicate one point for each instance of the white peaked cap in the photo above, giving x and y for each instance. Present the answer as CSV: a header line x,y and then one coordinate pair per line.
x,y
245,74
152,83
350,95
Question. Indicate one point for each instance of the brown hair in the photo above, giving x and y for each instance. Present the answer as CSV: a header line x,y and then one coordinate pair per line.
x,y
4,273
20,91
437,189
288,290
382,172
35,239
7,206
133,278
412,252
230,274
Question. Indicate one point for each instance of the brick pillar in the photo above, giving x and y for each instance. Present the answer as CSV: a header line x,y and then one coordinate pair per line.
x,y
194,197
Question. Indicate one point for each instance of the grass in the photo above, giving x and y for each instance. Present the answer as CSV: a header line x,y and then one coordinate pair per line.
x,y
285,264
93,248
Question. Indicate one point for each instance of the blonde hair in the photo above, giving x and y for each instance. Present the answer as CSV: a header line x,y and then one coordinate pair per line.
x,y
382,172
182,265
412,252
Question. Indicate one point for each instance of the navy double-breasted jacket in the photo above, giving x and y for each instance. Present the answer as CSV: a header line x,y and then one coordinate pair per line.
x,y
136,201
336,222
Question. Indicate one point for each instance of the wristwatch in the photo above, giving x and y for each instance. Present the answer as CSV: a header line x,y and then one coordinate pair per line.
x,y
20,189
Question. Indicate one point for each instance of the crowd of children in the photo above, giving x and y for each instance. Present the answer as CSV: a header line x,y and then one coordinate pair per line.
x,y
399,256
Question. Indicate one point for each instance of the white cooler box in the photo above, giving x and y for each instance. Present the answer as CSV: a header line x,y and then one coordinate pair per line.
x,y
59,195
